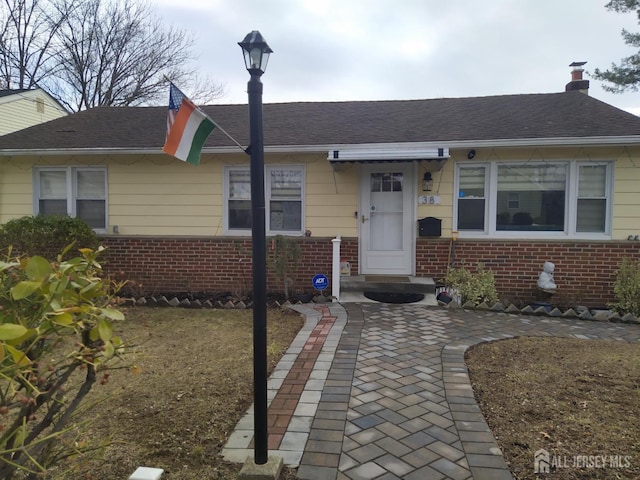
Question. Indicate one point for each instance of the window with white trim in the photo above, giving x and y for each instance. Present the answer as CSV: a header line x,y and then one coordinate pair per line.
x,y
471,198
593,198
239,202
518,199
74,191
284,192
541,189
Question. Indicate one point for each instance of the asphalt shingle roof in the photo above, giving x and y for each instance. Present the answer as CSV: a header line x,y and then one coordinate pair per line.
x,y
505,117
6,93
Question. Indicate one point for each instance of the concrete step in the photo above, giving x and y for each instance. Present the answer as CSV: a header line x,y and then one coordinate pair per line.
x,y
353,288
387,284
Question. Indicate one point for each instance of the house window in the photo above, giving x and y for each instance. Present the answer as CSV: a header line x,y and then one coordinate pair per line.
x,y
592,201
284,191
541,189
471,198
75,191
534,199
239,213
513,202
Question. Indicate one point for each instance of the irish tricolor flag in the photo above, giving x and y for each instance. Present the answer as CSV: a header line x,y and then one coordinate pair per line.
x,y
187,128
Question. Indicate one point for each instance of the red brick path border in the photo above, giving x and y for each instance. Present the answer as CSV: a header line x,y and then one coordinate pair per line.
x,y
284,404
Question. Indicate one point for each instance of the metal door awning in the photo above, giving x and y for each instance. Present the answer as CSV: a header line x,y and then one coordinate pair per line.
x,y
388,155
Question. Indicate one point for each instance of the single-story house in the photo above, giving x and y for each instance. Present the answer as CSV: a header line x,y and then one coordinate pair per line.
x,y
515,180
22,108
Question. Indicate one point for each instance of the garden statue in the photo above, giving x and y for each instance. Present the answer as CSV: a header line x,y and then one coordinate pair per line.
x,y
545,281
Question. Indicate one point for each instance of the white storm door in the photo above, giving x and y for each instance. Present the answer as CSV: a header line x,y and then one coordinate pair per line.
x,y
387,230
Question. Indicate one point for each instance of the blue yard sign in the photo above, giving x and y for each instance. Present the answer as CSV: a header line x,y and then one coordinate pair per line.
x,y
320,281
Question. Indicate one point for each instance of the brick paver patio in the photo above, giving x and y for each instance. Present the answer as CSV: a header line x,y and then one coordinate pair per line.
x,y
379,391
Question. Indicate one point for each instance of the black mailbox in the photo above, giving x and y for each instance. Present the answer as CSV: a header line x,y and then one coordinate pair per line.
x,y
430,227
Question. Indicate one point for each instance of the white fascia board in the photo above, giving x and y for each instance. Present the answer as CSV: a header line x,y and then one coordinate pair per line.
x,y
524,142
548,142
78,151
450,145
150,151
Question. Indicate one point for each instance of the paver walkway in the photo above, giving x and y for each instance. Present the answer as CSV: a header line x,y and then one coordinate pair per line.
x,y
379,391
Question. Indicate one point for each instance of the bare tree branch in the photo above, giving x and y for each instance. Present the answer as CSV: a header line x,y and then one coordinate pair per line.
x,y
91,53
27,38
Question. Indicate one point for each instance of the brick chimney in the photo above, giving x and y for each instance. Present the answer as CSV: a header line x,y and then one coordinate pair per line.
x,y
577,83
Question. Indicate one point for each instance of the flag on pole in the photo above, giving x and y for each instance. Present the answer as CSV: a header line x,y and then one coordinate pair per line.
x,y
187,128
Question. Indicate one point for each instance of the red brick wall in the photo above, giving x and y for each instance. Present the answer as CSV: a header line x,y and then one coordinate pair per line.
x,y
585,271
157,265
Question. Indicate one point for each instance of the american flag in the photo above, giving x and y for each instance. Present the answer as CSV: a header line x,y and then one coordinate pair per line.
x,y
175,100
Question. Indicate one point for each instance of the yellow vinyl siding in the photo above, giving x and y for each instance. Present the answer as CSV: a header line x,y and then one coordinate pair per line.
x,y
122,198
153,195
149,211
157,195
16,195
442,187
626,205
22,110
331,199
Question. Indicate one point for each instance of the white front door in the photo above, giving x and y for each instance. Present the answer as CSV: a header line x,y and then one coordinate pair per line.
x,y
387,227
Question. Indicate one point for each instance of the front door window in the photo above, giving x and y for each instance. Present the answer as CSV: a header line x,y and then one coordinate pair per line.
x,y
386,210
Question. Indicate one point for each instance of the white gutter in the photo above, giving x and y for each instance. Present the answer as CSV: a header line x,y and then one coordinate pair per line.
x,y
521,142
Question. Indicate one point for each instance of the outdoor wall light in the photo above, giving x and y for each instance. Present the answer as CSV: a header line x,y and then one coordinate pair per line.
x,y
256,52
427,182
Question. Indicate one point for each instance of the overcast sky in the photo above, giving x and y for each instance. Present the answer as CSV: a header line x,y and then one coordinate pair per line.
x,y
335,50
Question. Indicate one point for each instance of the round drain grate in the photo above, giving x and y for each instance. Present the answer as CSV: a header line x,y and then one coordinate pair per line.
x,y
394,297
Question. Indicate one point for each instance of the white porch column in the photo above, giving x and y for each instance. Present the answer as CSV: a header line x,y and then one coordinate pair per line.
x,y
335,274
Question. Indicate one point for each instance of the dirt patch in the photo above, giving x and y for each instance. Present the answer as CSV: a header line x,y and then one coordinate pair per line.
x,y
577,399
187,382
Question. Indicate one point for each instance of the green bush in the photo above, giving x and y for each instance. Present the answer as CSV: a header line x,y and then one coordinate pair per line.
x,y
46,235
56,335
472,287
285,260
627,287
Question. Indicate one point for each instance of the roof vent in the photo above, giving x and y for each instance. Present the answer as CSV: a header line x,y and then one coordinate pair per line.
x,y
577,83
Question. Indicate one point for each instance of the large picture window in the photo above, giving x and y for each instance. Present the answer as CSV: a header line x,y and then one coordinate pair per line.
x,y
75,191
534,199
284,191
541,197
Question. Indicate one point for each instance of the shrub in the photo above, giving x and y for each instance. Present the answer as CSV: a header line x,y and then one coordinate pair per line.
x,y
472,287
46,235
627,287
55,337
285,260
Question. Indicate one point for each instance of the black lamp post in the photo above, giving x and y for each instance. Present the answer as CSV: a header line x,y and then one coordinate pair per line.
x,y
256,55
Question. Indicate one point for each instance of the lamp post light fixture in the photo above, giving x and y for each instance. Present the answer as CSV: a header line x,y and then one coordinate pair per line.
x,y
256,55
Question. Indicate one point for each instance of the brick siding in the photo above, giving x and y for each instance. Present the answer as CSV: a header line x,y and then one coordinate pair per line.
x,y
585,271
158,265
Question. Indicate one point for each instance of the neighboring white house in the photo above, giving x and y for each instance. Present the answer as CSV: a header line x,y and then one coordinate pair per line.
x,y
23,108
